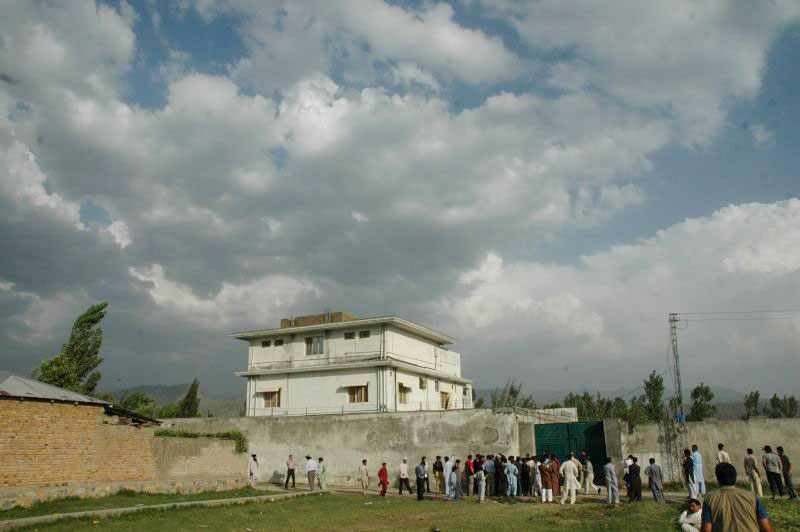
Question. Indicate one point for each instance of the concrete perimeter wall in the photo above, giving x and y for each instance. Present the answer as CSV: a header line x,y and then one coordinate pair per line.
x,y
736,435
50,450
344,440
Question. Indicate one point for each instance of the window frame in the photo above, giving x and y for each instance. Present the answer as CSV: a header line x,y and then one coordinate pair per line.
x,y
269,397
403,393
266,343
278,342
350,335
358,394
315,345
364,334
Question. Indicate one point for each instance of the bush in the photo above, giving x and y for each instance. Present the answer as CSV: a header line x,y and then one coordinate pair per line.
x,y
235,435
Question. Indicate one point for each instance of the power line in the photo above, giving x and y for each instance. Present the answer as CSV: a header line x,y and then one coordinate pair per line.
x,y
745,319
737,312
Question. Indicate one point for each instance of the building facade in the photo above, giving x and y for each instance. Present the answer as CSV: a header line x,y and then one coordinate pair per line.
x,y
337,363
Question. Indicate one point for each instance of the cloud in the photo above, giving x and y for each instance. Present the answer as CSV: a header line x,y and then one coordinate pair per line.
x,y
612,307
762,137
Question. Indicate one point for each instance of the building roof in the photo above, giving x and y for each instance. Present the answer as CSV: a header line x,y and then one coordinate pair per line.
x,y
400,323
12,385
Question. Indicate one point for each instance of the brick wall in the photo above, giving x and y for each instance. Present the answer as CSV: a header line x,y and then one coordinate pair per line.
x,y
50,444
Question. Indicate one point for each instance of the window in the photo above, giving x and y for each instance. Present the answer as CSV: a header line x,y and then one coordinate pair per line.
x,y
266,343
363,334
444,400
437,386
465,391
349,336
423,383
404,392
314,345
357,394
272,399
278,343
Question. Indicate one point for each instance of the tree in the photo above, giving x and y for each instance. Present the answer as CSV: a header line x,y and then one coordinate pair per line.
x,y
785,407
751,401
139,403
479,402
190,404
701,403
74,366
170,410
654,395
511,396
637,411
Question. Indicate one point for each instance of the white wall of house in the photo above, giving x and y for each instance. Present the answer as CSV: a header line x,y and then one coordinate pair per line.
x,y
316,391
406,346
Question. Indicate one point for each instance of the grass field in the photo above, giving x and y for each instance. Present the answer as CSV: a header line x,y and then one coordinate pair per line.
x,y
356,512
124,499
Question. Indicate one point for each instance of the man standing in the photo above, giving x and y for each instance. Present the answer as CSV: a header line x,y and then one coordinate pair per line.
x,y
453,483
404,476
383,479
512,475
322,475
536,477
730,508
363,476
421,472
469,471
480,478
438,473
626,476
688,473
752,473
446,468
610,475
722,455
253,471
290,466
774,468
427,475
488,469
786,466
655,476
311,472
570,473
635,473
547,480
697,460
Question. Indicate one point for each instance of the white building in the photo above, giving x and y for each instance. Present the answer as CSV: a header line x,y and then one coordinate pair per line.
x,y
336,362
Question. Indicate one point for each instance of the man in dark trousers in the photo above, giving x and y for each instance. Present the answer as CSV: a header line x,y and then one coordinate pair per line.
x,y
787,473
420,471
636,481
290,467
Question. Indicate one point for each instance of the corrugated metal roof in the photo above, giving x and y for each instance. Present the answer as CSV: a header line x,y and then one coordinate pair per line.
x,y
17,386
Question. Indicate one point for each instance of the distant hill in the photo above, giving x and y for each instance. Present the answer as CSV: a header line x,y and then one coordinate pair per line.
x,y
171,393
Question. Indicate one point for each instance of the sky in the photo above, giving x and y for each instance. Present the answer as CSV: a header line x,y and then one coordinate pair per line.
x,y
544,181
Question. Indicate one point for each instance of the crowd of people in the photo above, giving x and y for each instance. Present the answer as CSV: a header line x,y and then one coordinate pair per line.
x,y
545,477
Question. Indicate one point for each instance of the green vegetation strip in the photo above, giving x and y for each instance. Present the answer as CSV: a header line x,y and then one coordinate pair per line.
x,y
237,436
356,512
122,499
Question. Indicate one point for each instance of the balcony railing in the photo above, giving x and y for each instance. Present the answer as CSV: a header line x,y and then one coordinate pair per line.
x,y
356,408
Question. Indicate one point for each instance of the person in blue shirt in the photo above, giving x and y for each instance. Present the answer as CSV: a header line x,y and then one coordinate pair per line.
x,y
731,508
697,459
512,473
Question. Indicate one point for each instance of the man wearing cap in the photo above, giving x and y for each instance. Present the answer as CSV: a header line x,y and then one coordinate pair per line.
x,y
311,472
404,476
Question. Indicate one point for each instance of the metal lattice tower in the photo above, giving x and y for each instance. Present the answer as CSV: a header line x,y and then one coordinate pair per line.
x,y
676,370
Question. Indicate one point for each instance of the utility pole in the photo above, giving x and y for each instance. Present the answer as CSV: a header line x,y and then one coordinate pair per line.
x,y
676,369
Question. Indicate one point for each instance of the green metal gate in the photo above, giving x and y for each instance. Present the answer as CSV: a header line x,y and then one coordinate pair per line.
x,y
561,439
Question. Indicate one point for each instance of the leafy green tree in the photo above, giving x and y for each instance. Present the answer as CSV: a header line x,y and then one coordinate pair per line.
x,y
479,402
782,407
170,410
140,403
701,403
751,401
637,411
189,406
74,367
654,396
511,396
105,396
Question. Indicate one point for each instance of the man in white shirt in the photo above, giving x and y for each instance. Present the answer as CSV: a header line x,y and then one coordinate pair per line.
x,y
311,472
253,470
691,519
448,466
722,455
404,476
